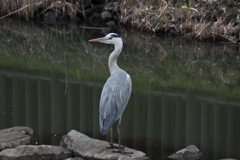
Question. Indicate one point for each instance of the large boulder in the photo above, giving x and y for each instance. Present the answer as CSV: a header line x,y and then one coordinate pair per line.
x,y
86,147
43,152
15,136
186,153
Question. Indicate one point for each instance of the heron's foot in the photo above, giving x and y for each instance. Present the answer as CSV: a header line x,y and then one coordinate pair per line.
x,y
121,150
112,146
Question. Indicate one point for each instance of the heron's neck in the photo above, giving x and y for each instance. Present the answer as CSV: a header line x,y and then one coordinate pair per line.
x,y
112,61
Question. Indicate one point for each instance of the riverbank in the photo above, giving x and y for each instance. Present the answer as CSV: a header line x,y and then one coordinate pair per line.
x,y
202,20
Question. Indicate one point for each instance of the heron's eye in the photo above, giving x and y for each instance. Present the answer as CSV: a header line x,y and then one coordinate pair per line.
x,y
110,37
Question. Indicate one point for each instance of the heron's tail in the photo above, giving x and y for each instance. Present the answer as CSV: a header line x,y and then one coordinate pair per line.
x,y
106,123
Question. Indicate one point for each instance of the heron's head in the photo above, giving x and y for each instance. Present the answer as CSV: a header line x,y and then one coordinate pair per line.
x,y
111,38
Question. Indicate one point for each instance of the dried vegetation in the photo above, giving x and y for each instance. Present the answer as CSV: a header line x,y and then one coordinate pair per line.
x,y
201,19
32,9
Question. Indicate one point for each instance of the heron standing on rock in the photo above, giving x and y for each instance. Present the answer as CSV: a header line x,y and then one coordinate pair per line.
x,y
116,91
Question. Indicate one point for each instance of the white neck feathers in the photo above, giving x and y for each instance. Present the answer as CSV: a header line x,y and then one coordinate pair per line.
x,y
112,61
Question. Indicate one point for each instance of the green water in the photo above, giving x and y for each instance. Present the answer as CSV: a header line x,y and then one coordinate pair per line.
x,y
184,92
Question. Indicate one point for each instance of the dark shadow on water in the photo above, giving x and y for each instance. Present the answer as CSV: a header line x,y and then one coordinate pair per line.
x,y
155,123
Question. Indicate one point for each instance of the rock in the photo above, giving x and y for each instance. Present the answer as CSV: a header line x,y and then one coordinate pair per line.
x,y
233,38
94,18
116,19
96,15
75,158
15,136
210,7
106,16
86,3
188,35
195,15
43,152
172,33
86,147
237,29
238,20
88,11
98,8
111,6
188,152
177,14
50,17
97,1
90,19
110,23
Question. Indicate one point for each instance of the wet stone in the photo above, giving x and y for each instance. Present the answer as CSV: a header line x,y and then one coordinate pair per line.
x,y
43,152
97,1
188,152
50,17
96,14
110,23
86,147
116,18
111,6
88,11
177,14
238,21
188,35
98,8
233,38
172,33
75,158
15,136
86,3
194,15
106,16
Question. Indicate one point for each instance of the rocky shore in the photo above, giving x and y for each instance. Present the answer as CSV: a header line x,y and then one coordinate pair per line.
x,y
16,143
203,20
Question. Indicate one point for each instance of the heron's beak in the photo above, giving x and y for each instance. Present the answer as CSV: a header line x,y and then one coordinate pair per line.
x,y
97,39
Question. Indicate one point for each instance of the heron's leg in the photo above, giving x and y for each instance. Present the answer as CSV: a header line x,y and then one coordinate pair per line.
x,y
112,146
120,148
119,133
111,139
111,135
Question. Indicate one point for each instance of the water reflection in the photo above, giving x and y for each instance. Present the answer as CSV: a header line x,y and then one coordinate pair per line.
x,y
154,122
51,79
153,62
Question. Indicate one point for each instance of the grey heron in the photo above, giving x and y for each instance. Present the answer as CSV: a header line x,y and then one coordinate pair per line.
x,y
116,91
